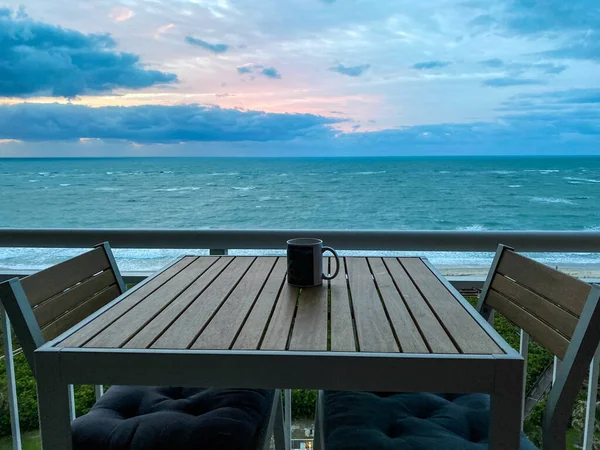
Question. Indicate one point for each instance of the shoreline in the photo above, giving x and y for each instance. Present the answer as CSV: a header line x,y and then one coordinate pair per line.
x,y
582,270
576,270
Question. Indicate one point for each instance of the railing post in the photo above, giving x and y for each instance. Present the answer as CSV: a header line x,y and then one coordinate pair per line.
x,y
524,350
288,417
72,411
555,369
218,252
590,409
99,390
9,365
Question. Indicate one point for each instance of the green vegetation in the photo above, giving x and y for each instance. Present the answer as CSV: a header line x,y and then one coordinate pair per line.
x,y
29,441
27,397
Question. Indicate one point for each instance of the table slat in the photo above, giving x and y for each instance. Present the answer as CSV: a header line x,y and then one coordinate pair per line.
x,y
342,325
436,337
131,299
372,326
153,330
254,328
463,328
187,327
119,332
310,325
407,332
224,326
279,326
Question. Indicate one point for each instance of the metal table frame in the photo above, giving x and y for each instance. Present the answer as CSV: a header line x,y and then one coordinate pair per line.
x,y
500,375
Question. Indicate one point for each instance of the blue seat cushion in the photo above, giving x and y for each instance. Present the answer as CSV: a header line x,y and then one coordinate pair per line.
x,y
153,418
408,421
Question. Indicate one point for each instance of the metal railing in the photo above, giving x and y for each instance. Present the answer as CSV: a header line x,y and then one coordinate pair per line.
x,y
455,241
218,242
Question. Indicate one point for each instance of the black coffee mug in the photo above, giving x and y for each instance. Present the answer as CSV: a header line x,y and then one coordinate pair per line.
x,y
305,262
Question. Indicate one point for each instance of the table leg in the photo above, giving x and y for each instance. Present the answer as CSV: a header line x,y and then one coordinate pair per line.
x,y
506,405
53,400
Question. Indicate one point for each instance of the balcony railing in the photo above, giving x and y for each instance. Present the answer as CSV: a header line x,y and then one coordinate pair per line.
x,y
219,242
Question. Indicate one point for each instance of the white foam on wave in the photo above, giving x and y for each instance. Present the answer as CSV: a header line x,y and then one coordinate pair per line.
x,y
243,188
109,173
186,188
107,189
64,184
155,259
581,180
34,181
474,227
515,185
503,172
552,200
369,173
227,174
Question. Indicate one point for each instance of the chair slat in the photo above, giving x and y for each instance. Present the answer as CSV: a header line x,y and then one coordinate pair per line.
x,y
55,307
77,314
538,330
547,311
556,286
54,280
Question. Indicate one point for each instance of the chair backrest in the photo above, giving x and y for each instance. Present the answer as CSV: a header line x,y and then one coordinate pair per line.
x,y
44,305
558,311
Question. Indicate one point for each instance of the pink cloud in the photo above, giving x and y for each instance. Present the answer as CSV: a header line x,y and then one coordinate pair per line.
x,y
120,14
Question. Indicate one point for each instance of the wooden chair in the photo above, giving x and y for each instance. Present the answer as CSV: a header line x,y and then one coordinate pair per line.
x,y
558,311
44,305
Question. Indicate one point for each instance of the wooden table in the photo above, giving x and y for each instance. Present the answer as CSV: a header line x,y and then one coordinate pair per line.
x,y
391,324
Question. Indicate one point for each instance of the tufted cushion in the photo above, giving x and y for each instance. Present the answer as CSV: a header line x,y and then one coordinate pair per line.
x,y
411,421
153,418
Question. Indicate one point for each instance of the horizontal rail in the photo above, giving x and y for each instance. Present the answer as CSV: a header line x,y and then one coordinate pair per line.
x,y
473,241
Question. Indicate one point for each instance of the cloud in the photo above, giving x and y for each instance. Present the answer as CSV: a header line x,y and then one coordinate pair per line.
x,y
351,71
163,29
569,96
510,81
42,59
574,24
120,14
215,48
517,68
426,65
154,123
585,48
495,63
269,72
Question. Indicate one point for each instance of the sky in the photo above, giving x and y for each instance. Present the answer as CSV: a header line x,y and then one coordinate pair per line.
x,y
299,77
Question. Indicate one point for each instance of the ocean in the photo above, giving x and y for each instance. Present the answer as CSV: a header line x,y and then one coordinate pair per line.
x,y
444,193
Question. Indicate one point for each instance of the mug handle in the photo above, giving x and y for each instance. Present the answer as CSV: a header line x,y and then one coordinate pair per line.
x,y
337,263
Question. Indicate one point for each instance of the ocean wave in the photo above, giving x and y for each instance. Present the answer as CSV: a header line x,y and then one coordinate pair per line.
x,y
475,227
64,184
228,174
581,180
34,181
108,189
155,259
552,200
542,171
515,185
244,188
187,188
503,172
368,173
109,173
